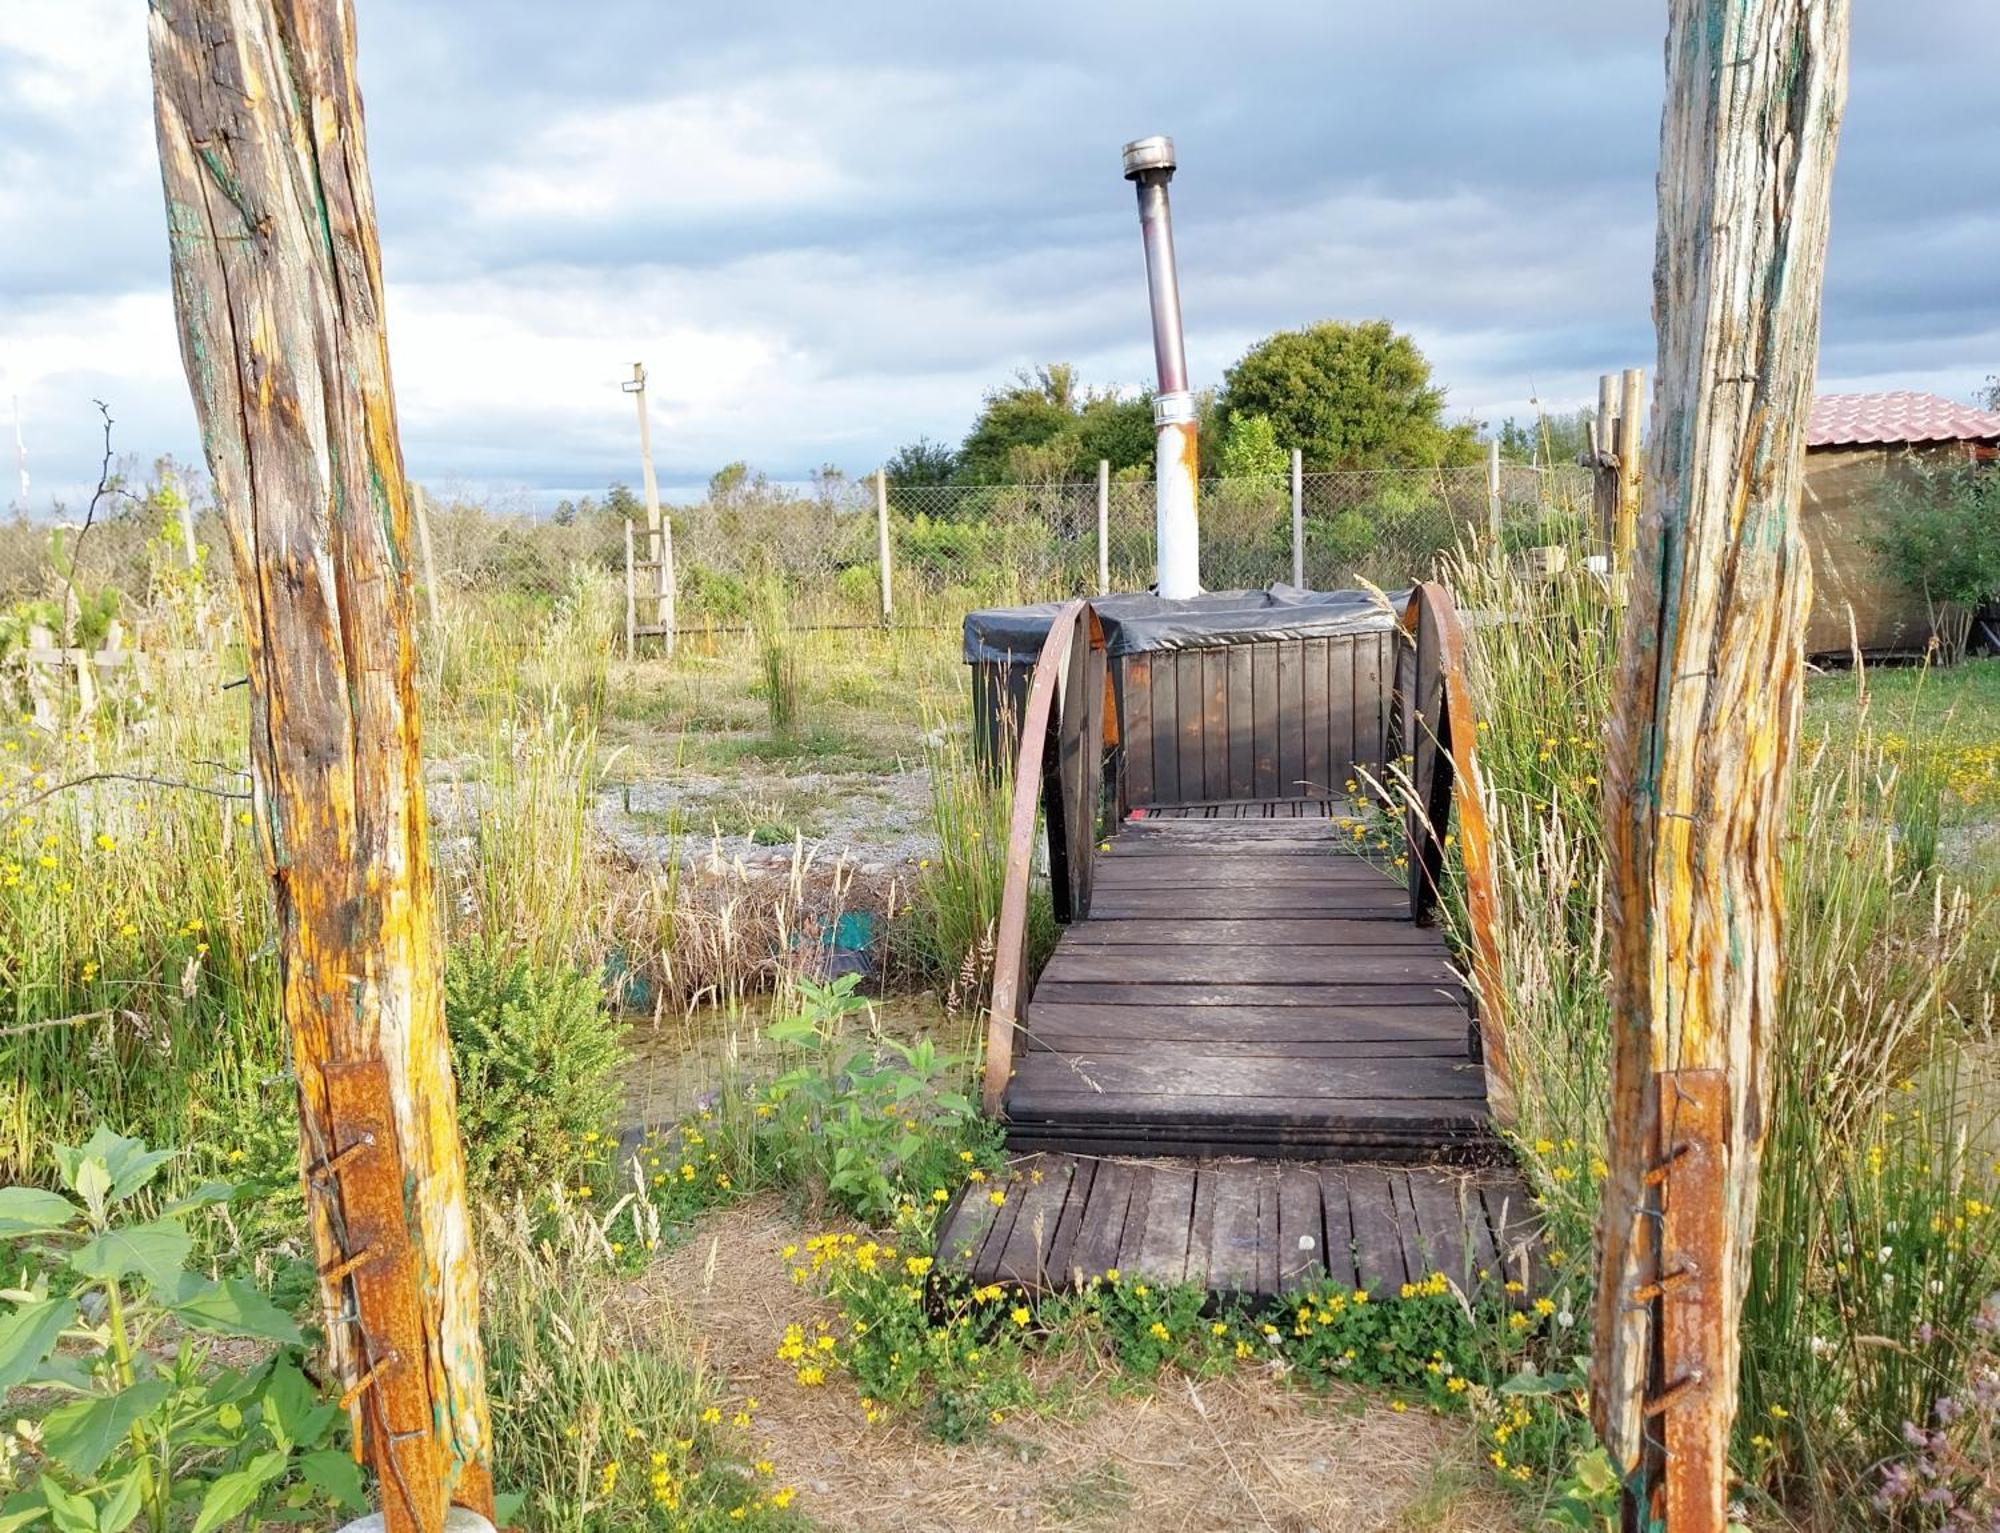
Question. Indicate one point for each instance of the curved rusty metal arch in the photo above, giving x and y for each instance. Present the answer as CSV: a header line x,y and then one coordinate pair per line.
x,y
1058,770
1435,727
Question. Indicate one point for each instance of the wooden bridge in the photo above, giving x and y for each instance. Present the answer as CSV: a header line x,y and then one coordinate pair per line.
x,y
1252,1059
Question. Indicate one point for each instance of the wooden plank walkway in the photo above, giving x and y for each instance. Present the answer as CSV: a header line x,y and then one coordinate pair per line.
x,y
1244,985
1246,1229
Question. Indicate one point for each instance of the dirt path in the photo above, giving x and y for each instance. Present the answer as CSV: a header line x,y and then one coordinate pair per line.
x,y
1240,1452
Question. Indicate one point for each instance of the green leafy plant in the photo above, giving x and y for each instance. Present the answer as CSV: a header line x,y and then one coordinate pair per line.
x,y
534,1049
882,1123
118,1331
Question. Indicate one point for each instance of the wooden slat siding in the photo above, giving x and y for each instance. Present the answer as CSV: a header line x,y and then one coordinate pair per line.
x,y
1268,721
1214,724
1339,1252
1242,723
1291,720
1136,732
1301,1228
1062,1265
1024,1258
1339,713
1312,716
1191,683
1164,693
1163,1253
1369,706
1096,1249
1378,1242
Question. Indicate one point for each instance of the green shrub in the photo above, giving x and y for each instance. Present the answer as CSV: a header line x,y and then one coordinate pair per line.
x,y
534,1049
1939,533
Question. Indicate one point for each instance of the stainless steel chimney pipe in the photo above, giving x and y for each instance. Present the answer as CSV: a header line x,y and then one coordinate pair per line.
x,y
1149,164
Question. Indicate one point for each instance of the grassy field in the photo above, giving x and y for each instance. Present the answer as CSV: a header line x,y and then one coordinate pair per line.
x,y
646,865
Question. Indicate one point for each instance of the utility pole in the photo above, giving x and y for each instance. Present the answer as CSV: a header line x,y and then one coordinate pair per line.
x,y
278,293
659,535
1703,732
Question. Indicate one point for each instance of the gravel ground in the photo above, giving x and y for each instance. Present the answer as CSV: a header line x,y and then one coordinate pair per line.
x,y
874,821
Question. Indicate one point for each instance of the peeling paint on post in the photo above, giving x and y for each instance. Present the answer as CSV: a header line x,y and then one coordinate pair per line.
x,y
278,288
1699,755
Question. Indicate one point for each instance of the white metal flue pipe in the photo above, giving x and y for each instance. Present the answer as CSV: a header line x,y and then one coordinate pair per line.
x,y
1149,163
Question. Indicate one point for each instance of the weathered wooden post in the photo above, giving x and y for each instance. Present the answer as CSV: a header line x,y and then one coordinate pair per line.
x,y
1701,743
421,505
1493,519
659,531
1625,532
278,287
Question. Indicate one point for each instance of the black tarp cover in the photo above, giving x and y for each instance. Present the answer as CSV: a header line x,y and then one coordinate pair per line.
x,y
1139,621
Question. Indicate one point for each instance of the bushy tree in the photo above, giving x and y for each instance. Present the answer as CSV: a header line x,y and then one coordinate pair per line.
x,y
1249,449
1547,439
922,462
1347,395
1045,427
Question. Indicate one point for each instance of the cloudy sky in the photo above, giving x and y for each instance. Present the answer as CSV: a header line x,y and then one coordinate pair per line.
x,y
828,228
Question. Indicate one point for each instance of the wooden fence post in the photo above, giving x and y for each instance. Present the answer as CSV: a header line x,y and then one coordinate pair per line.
x,y
1103,526
882,541
631,595
1298,518
1625,532
1702,736
659,531
1493,520
277,280
421,505
1604,461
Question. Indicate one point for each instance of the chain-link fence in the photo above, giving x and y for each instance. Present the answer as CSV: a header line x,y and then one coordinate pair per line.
x,y
950,547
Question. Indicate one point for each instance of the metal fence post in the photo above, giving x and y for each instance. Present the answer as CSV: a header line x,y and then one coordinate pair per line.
x,y
1493,519
1103,526
882,541
1298,518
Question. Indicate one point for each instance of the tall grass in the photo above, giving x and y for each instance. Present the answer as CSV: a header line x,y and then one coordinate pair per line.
x,y
950,926
1869,1148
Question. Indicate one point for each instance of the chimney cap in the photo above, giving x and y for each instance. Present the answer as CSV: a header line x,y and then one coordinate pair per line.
x,y
1144,155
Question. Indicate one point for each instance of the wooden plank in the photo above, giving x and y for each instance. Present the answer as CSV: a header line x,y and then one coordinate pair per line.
x,y
1098,992
1232,1231
1201,1230
1182,1072
1511,1218
1062,1248
966,1226
1162,1252
1265,1178
1480,1249
1289,899
1441,1225
986,1260
1168,964
1339,1251
1194,869
1253,1026
1164,678
1416,1254
1265,781
1096,1248
1312,719
1023,1259
1378,1241
1449,1046
1291,725
1218,929
1301,1228
1136,731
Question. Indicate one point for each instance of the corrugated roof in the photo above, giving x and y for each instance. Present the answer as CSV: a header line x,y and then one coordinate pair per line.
x,y
1856,420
